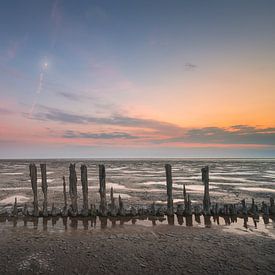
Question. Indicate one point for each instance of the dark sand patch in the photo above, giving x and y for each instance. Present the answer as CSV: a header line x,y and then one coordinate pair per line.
x,y
135,250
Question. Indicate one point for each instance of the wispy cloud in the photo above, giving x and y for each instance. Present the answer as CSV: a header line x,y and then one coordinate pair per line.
x,y
4,111
68,95
111,135
160,132
237,134
190,67
51,114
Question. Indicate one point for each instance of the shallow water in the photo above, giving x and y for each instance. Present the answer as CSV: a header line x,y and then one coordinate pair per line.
x,y
143,181
59,224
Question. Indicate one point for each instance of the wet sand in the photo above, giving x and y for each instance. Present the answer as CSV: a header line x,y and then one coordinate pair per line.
x,y
142,182
162,249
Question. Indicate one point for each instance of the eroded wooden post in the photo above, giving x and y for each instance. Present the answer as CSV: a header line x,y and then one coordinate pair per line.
x,y
73,189
189,206
65,208
272,206
113,209
33,175
206,197
169,186
65,193
185,198
44,188
244,208
15,209
102,190
121,210
25,210
84,182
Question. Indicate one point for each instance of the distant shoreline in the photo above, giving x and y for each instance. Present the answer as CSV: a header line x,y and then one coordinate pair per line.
x,y
145,158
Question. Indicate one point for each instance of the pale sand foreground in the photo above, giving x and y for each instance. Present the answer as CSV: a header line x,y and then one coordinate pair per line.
x,y
137,249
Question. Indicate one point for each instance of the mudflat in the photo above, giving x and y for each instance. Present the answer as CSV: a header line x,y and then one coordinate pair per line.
x,y
136,249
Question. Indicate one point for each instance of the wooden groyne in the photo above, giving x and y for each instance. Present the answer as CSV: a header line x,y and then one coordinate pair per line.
x,y
117,209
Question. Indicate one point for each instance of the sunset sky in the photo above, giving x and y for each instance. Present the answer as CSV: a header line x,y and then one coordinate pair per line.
x,y
137,78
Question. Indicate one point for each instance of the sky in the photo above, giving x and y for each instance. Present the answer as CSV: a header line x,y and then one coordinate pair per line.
x,y
134,79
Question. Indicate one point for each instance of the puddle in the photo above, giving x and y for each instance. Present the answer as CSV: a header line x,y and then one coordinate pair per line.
x,y
257,189
40,180
175,201
11,199
12,174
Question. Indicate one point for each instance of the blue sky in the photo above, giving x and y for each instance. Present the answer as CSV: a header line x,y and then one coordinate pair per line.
x,y
137,78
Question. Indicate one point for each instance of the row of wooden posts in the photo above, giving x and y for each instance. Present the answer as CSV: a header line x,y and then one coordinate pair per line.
x,y
111,209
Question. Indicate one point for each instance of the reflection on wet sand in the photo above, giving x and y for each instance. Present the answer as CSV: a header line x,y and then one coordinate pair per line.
x,y
63,224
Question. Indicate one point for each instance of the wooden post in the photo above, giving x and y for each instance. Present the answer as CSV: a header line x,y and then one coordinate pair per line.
x,y
54,211
64,193
93,210
206,197
25,210
168,170
15,209
73,189
185,198
244,208
102,190
121,210
272,206
254,208
133,211
64,211
44,188
265,209
189,206
84,182
113,209
180,210
33,175
153,210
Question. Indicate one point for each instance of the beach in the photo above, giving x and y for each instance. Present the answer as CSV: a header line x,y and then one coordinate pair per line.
x,y
142,181
137,249
217,243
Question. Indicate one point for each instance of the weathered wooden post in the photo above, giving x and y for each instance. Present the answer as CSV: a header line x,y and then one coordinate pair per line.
x,y
25,210
33,175
180,210
15,209
206,197
73,189
113,209
153,210
121,210
54,211
93,210
189,206
189,216
272,206
254,211
44,188
84,182
64,211
254,208
102,190
244,208
169,186
265,211
185,198
133,211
